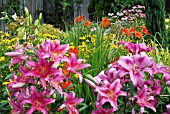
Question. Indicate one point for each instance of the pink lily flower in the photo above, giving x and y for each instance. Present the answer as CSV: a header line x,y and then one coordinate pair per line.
x,y
135,66
75,64
38,101
168,109
166,78
145,100
110,93
20,80
56,80
135,48
101,110
53,50
71,103
19,55
42,69
156,88
18,106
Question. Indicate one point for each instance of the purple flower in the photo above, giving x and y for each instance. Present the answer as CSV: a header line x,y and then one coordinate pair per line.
x,y
168,109
75,64
19,55
101,110
56,80
156,88
18,105
53,50
110,92
38,101
135,48
135,66
42,69
71,103
145,100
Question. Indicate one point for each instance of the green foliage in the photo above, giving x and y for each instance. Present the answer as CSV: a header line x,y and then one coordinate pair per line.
x,y
100,8
155,19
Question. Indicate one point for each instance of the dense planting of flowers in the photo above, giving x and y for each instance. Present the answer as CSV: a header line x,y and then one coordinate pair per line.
x,y
138,69
39,76
100,68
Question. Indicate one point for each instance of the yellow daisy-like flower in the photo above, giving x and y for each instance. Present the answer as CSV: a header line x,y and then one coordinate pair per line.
x,y
2,58
76,75
7,82
9,47
6,34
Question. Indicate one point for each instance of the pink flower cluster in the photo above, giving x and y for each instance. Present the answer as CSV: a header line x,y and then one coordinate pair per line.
x,y
130,14
40,75
136,69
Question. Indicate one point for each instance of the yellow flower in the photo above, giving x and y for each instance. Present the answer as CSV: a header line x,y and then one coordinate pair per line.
x,y
112,35
9,47
76,75
2,59
167,26
166,20
87,41
72,47
82,38
6,34
7,82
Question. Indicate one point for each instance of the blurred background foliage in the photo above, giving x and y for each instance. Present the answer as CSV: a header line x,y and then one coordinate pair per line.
x,y
59,12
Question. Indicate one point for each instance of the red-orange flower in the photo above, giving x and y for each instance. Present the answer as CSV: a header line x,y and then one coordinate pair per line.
x,y
64,85
65,71
74,50
126,31
79,19
145,30
87,23
138,35
132,30
105,22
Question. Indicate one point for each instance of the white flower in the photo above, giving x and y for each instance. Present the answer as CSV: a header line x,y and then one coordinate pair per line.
x,y
110,14
14,16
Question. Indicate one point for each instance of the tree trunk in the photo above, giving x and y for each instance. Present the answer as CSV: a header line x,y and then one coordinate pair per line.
x,y
155,19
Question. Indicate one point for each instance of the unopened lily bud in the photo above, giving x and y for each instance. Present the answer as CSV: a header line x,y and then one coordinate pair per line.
x,y
19,47
13,54
30,18
40,16
54,95
26,11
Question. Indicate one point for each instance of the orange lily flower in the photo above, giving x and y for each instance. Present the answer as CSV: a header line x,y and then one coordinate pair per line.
x,y
79,19
74,50
87,23
138,35
125,31
105,22
145,30
132,30
64,85
65,71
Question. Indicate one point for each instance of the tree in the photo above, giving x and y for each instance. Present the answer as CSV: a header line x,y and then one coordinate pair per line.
x,y
155,19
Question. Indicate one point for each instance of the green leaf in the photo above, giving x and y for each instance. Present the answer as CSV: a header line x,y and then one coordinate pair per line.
x,y
4,101
82,108
168,88
3,66
8,76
